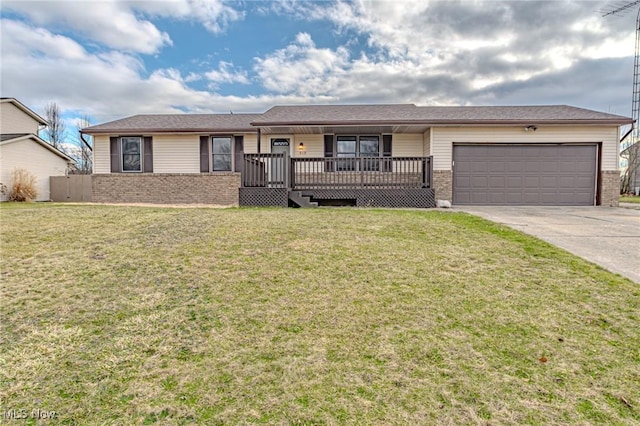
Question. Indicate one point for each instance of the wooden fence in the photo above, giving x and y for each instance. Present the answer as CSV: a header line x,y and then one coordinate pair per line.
x,y
75,188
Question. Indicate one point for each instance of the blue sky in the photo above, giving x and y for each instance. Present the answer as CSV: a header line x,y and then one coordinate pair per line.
x,y
108,59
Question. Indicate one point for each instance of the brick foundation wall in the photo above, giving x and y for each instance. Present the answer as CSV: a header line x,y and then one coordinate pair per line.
x,y
443,184
219,188
609,188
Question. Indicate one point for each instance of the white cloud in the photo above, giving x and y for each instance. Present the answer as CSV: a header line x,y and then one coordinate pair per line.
x,y
455,51
106,86
301,67
437,53
227,73
122,24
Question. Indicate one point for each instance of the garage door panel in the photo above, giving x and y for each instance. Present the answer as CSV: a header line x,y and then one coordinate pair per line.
x,y
514,181
532,166
549,166
497,181
583,167
582,182
480,167
530,182
524,174
513,198
546,182
481,182
497,198
497,166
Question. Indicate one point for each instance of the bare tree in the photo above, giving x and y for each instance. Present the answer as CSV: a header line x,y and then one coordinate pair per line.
x,y
56,130
83,155
630,178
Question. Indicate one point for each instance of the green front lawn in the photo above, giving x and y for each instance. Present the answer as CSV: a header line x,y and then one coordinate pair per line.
x,y
629,199
138,315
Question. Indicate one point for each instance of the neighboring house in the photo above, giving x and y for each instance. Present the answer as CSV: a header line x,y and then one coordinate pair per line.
x,y
20,147
366,155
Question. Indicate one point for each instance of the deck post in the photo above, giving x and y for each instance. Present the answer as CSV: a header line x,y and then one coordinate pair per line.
x,y
286,169
292,173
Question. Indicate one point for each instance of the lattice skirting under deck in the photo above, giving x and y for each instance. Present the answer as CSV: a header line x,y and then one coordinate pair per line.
x,y
279,197
259,197
409,197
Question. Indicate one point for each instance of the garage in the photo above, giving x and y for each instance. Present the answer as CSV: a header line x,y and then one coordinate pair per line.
x,y
512,174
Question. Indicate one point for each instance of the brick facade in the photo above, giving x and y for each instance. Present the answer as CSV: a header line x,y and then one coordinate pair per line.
x,y
219,188
609,188
443,184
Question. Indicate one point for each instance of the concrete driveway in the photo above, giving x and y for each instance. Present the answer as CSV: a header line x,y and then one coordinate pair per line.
x,y
606,236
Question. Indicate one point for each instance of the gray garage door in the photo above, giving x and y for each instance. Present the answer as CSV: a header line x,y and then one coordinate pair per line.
x,y
524,174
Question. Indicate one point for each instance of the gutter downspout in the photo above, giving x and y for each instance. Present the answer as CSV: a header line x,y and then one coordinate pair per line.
x,y
628,133
84,141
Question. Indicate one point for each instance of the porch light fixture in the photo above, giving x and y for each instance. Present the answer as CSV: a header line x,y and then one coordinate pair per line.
x,y
300,146
530,128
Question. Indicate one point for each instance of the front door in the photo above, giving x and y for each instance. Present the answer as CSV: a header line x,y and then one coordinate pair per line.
x,y
278,167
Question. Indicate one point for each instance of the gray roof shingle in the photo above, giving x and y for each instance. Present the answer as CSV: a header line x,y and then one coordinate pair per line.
x,y
310,115
361,114
178,122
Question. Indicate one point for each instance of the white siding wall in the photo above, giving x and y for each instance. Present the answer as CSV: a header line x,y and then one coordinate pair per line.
x,y
442,139
171,153
176,154
313,146
250,143
407,145
427,143
14,120
30,155
101,155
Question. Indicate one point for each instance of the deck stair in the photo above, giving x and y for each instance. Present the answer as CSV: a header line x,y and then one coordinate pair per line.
x,y
302,200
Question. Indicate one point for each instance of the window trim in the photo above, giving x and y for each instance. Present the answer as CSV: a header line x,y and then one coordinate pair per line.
x,y
358,136
231,153
357,152
141,153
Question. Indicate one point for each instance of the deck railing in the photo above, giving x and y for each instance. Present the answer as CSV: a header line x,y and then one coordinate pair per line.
x,y
282,171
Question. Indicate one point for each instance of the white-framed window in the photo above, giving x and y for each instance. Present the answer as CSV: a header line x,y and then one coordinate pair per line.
x,y
350,147
221,153
131,151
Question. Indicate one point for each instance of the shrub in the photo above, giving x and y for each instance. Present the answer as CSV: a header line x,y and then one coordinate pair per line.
x,y
23,186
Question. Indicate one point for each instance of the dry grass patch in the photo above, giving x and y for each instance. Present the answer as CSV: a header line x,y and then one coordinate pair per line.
x,y
147,315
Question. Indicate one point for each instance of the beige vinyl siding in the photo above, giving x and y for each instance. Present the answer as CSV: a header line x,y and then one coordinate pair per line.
x,y
313,146
442,139
14,120
406,145
101,155
427,143
176,154
250,143
38,160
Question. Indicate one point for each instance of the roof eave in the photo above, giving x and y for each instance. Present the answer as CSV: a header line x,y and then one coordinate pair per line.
x,y
166,131
517,122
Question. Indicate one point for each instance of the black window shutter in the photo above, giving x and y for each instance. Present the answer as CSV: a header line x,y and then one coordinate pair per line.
x,y
386,152
114,147
204,154
239,152
328,152
148,155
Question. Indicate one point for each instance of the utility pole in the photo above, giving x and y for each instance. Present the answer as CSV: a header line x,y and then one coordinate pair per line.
x,y
633,162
